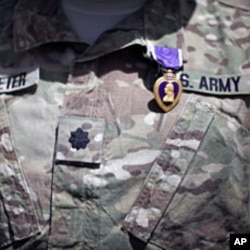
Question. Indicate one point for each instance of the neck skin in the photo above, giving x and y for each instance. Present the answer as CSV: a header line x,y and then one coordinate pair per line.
x,y
90,19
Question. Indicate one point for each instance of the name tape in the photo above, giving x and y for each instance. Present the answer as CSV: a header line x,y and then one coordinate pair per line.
x,y
215,85
16,82
191,81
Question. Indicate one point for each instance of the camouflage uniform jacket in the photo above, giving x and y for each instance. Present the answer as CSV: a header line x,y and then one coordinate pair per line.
x,y
88,160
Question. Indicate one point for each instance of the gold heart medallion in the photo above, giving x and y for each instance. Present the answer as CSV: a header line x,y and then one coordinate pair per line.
x,y
167,90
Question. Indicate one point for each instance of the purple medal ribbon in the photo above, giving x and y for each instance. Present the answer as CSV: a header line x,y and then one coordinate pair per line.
x,y
167,89
168,58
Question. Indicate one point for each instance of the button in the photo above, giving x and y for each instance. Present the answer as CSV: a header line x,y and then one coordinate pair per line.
x,y
21,43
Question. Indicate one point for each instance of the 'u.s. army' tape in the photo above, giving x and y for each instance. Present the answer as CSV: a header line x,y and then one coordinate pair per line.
x,y
215,84
195,81
15,82
191,81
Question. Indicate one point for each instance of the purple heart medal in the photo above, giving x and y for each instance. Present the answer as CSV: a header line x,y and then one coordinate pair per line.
x,y
167,89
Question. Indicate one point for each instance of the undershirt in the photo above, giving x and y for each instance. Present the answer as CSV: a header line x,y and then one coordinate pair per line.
x,y
90,19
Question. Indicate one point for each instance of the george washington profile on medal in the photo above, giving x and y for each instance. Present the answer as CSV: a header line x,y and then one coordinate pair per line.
x,y
167,90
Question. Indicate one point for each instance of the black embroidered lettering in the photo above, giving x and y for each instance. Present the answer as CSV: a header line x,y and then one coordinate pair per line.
x,y
2,83
236,83
225,87
16,81
184,77
203,83
9,81
213,84
22,79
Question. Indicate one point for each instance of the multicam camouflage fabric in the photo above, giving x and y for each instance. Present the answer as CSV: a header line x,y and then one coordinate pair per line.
x,y
18,219
183,202
169,169
165,181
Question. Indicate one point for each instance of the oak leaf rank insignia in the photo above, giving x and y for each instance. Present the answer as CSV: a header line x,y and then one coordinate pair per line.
x,y
79,139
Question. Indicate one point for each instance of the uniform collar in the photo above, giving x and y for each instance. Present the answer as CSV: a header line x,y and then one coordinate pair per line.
x,y
36,23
